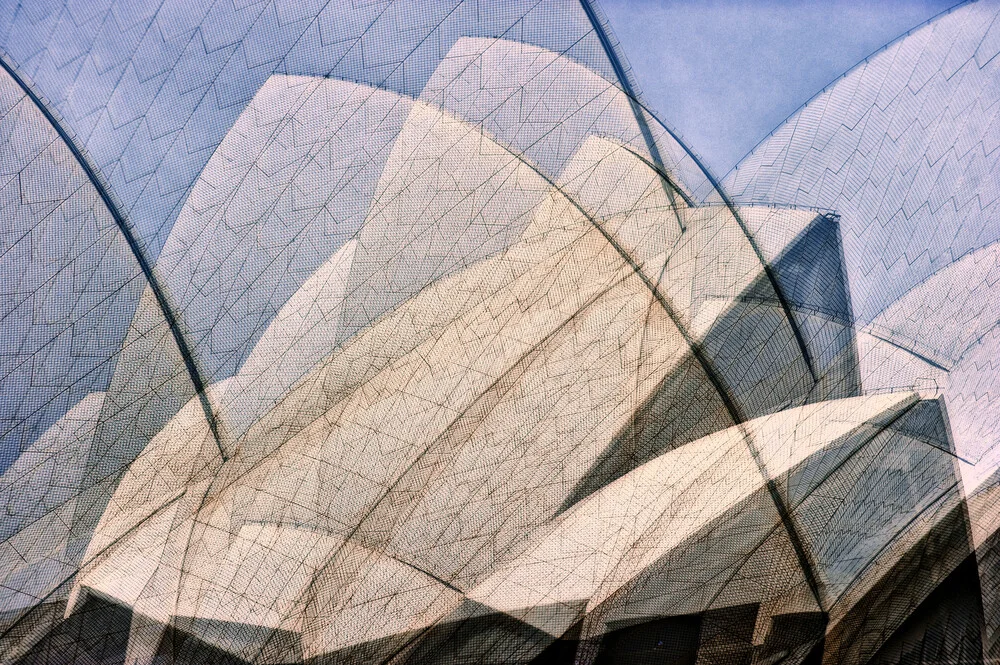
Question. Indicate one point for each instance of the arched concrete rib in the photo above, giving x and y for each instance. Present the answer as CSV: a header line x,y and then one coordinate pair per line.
x,y
736,413
639,109
123,225
804,560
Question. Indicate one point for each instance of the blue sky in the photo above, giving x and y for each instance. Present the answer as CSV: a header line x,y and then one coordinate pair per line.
x,y
724,73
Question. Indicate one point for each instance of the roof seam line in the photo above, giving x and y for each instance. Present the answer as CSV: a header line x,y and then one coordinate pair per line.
x,y
616,65
120,220
637,108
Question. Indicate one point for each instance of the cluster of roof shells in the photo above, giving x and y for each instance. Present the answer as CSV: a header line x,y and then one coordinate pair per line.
x,y
403,360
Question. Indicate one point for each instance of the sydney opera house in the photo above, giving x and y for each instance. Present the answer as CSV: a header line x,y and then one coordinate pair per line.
x,y
405,332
